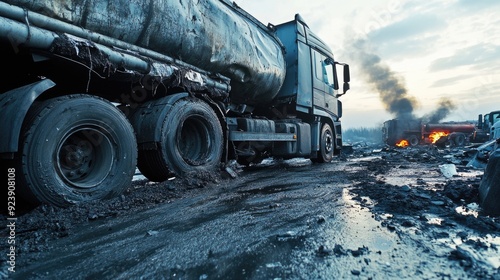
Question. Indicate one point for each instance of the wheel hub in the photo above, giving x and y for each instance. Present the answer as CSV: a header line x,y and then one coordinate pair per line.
x,y
194,143
328,143
85,157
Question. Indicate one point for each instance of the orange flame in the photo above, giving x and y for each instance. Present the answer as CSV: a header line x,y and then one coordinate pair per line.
x,y
403,143
436,135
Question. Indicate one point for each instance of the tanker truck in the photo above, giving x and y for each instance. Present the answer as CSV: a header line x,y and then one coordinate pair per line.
x,y
174,88
412,132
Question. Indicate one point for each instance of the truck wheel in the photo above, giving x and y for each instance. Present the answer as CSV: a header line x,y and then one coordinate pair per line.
x,y
413,140
75,149
327,145
191,141
459,140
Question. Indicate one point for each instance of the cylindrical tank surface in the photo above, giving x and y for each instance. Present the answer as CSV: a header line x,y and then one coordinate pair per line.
x,y
450,127
209,34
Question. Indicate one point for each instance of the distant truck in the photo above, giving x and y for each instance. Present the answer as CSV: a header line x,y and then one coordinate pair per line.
x,y
412,132
491,124
89,92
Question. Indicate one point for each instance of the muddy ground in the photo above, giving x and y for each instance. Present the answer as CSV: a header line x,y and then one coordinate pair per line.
x,y
378,213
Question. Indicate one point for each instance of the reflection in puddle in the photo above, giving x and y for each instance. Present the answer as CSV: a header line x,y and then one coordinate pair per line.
x,y
359,223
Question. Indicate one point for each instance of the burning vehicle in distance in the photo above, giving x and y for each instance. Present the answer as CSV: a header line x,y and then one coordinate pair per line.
x,y
412,132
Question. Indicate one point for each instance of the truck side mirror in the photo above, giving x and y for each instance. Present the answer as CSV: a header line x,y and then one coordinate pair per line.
x,y
346,87
347,79
347,75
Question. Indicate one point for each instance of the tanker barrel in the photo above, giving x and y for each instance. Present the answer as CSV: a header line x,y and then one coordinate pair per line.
x,y
42,39
13,25
450,127
215,37
50,24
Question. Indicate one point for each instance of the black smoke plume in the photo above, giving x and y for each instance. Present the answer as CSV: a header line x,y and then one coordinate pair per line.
x,y
444,108
391,88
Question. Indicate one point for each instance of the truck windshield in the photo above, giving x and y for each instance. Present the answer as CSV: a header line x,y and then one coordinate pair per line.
x,y
494,117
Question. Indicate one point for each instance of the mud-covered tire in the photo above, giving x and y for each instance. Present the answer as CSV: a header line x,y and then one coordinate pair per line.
x,y
75,149
326,145
191,142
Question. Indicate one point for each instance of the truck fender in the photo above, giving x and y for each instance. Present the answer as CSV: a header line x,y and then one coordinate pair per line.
x,y
316,128
14,106
149,116
229,152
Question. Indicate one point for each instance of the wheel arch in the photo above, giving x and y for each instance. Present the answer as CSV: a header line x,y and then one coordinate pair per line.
x,y
15,105
322,117
219,111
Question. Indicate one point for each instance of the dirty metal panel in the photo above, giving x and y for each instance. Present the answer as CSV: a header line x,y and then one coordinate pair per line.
x,y
257,136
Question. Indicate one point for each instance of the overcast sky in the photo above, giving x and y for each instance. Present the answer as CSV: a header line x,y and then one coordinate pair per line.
x,y
438,49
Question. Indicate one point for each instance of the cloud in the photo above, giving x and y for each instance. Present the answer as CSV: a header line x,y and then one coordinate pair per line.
x,y
475,5
481,56
409,48
415,25
451,81
409,37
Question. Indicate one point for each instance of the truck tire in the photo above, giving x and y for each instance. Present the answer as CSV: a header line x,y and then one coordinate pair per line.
x,y
326,145
413,140
191,142
75,149
459,140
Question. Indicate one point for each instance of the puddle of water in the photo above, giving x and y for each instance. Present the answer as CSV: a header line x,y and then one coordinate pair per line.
x,y
360,226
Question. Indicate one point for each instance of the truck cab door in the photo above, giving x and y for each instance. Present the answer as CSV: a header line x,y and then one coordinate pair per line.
x,y
330,92
323,83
